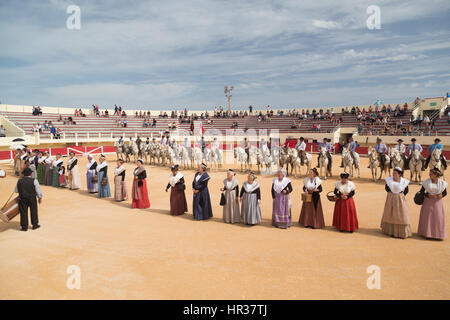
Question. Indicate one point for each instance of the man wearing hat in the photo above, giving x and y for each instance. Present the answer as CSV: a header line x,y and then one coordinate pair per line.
x,y
327,145
382,150
436,145
411,148
351,147
401,148
301,148
28,189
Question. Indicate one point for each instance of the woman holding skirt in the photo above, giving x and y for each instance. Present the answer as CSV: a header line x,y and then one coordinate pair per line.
x,y
91,173
178,204
344,216
395,221
311,215
202,202
120,187
48,169
250,198
73,172
40,171
139,190
432,214
104,190
281,210
231,212
56,165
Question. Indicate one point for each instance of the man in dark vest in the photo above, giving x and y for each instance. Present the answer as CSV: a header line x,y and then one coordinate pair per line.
x,y
28,189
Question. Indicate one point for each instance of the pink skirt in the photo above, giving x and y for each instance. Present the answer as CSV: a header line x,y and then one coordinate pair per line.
x,y
432,219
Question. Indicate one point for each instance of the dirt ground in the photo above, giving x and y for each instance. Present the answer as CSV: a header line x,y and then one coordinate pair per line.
x,y
126,253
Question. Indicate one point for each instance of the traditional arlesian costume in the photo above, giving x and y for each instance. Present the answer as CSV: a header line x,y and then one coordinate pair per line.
x,y
432,214
395,221
120,187
48,171
32,164
311,214
231,212
202,209
344,216
178,203
91,172
104,190
281,211
139,189
250,209
57,164
74,174
40,171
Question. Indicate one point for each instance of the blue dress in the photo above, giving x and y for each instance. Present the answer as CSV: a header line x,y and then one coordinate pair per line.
x,y
202,202
103,191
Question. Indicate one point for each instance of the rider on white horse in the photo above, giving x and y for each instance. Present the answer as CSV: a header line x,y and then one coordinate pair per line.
x,y
187,145
301,148
401,148
382,150
410,150
351,147
327,145
436,145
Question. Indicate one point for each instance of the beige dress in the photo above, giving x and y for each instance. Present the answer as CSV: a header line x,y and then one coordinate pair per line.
x,y
120,187
395,221
73,174
231,212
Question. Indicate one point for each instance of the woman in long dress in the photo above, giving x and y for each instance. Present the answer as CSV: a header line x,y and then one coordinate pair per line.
x,y
344,216
250,198
178,204
395,221
311,215
40,171
17,156
202,209
73,172
48,169
32,163
91,173
432,214
231,212
281,210
104,190
139,189
120,187
56,165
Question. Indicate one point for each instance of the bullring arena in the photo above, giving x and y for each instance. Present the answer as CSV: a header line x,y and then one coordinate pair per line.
x,y
125,253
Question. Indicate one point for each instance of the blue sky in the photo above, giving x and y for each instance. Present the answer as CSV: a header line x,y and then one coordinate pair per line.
x,y
172,54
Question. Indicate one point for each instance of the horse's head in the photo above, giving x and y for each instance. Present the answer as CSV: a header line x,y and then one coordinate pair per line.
x,y
436,154
416,155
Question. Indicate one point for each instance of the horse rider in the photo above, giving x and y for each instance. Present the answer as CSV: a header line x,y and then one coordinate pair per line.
x,y
301,148
203,145
163,141
121,140
382,151
147,141
401,148
436,145
246,146
215,143
138,143
411,148
187,145
351,147
327,145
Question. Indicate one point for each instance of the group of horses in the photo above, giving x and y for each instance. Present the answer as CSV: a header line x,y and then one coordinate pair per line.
x,y
265,158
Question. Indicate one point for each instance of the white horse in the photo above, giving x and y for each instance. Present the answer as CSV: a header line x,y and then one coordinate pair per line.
x,y
242,158
197,156
131,149
211,157
120,150
397,160
350,163
323,163
374,164
184,157
435,161
265,158
415,166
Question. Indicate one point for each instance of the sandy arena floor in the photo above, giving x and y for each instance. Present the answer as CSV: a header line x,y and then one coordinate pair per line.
x,y
126,253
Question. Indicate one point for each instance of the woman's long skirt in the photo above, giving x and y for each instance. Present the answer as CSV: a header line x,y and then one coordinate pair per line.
x,y
143,202
231,211
201,205
432,219
395,220
91,186
281,213
103,191
250,210
40,172
74,179
178,203
48,175
344,216
120,189
312,215
55,180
